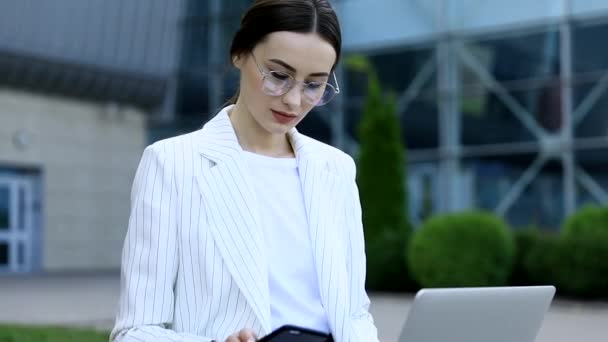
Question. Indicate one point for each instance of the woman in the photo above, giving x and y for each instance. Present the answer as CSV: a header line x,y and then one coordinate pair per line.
x,y
246,224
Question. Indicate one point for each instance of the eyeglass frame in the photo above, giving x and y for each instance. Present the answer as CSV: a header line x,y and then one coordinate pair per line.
x,y
295,82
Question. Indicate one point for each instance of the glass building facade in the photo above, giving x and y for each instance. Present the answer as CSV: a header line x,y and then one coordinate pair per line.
x,y
502,103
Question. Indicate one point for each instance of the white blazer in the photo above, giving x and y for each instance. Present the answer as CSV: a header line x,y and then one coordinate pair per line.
x,y
194,263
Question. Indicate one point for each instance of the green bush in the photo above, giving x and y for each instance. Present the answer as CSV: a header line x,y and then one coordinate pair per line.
x,y
386,264
587,221
540,259
525,240
463,249
576,260
583,252
583,266
536,257
381,179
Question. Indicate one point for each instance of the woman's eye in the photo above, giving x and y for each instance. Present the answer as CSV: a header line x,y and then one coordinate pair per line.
x,y
279,75
314,85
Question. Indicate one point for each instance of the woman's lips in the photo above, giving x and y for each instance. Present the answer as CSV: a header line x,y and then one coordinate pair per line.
x,y
282,117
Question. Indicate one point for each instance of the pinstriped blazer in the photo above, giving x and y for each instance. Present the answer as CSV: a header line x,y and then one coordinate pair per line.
x,y
194,262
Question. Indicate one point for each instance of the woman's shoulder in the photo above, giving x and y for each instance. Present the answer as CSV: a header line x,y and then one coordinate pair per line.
x,y
338,160
179,144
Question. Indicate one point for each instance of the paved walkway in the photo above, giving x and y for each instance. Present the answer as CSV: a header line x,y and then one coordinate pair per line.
x,y
81,300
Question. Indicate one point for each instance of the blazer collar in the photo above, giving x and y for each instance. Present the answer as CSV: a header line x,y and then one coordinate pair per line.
x,y
218,140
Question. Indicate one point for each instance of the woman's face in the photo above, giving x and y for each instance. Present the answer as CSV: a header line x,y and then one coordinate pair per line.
x,y
304,56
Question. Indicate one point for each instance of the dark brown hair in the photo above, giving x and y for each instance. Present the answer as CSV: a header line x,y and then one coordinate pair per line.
x,y
302,16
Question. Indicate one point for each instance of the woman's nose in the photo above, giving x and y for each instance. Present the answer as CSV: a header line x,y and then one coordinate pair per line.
x,y
293,97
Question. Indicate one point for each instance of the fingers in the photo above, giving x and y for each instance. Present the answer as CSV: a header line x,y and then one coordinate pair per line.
x,y
245,335
233,338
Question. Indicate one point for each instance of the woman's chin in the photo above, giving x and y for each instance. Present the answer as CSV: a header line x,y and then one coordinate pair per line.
x,y
279,128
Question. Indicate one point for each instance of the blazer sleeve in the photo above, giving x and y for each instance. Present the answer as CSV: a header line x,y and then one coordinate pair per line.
x,y
149,258
364,329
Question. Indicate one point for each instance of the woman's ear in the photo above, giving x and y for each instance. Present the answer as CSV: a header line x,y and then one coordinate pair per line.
x,y
237,61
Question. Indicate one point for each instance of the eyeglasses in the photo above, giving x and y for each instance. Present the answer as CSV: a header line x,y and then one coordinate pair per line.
x,y
276,83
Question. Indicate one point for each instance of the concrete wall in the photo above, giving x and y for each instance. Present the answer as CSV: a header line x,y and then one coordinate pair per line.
x,y
88,153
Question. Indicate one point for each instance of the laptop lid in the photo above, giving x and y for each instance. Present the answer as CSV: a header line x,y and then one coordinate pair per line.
x,y
483,314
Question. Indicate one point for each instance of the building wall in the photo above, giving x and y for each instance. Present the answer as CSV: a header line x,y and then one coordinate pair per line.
x,y
502,104
398,23
87,154
139,36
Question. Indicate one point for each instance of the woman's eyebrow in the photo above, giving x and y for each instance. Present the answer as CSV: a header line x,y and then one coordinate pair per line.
x,y
292,69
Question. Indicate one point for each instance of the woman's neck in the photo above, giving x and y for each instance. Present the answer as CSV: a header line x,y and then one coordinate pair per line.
x,y
253,138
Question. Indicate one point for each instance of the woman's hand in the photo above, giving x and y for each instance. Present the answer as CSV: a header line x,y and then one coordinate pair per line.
x,y
245,335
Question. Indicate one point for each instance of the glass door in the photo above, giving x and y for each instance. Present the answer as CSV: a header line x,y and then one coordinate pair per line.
x,y
16,221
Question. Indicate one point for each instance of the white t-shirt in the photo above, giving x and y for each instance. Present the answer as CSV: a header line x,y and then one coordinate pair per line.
x,y
294,288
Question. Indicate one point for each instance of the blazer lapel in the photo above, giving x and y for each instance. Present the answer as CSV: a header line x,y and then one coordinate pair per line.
x,y
233,214
322,191
235,222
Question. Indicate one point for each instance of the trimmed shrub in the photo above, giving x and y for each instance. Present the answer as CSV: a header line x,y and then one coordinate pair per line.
x,y
525,240
583,252
464,249
583,265
381,179
587,221
575,261
387,269
540,263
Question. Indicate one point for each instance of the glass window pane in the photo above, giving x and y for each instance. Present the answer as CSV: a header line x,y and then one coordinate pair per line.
x,y
541,202
4,207
589,51
494,176
593,161
195,50
21,209
590,64
193,96
515,57
420,124
353,109
423,191
4,253
397,71
594,165
590,117
487,119
20,254
526,65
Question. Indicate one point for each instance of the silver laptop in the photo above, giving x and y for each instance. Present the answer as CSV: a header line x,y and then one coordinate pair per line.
x,y
483,314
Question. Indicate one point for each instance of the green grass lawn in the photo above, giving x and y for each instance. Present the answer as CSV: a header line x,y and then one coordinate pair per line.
x,y
15,333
